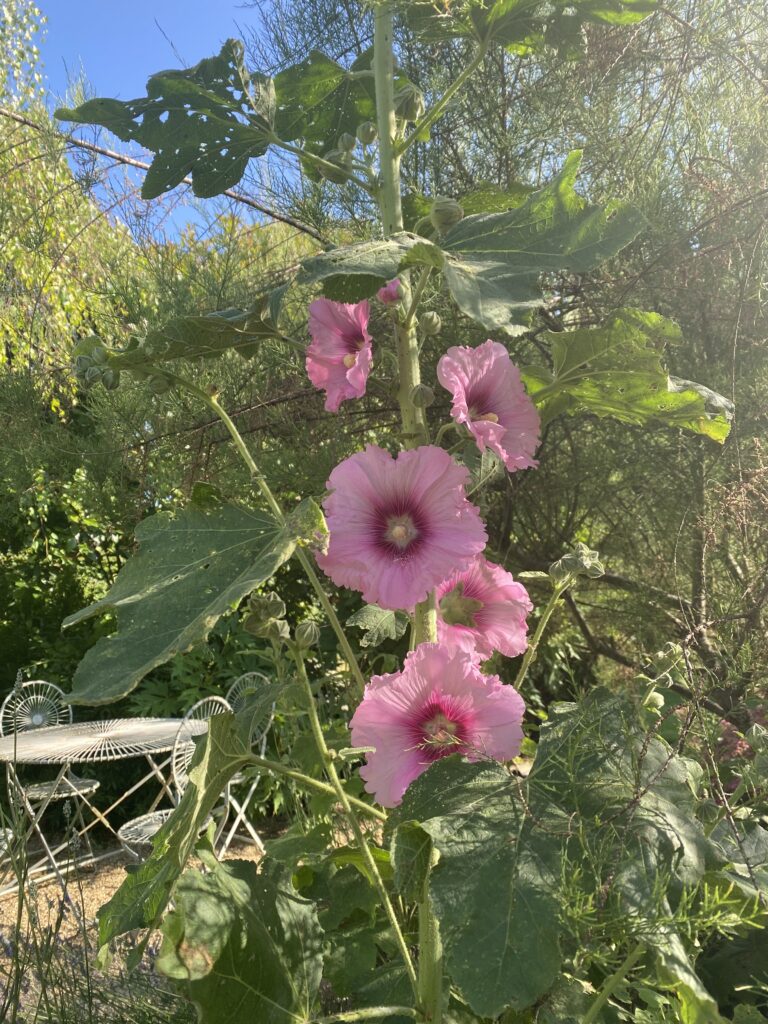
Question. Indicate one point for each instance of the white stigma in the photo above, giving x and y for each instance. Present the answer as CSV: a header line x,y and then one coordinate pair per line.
x,y
401,530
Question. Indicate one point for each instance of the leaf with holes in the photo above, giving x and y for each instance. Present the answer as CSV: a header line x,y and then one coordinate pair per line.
x,y
191,568
355,272
206,121
618,371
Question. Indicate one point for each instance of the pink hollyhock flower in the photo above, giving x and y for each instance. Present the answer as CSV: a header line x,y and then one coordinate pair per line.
x,y
440,704
339,355
399,526
390,294
483,609
489,397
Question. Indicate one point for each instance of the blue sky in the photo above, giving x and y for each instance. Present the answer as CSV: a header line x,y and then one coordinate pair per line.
x,y
119,44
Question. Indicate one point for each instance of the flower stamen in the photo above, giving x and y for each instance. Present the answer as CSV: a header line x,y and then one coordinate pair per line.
x,y
401,531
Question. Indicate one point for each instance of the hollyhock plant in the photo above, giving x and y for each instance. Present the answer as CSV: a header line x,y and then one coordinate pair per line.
x,y
489,397
399,526
440,704
339,355
390,294
483,609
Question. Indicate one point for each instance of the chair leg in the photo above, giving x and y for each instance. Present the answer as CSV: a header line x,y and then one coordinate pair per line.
x,y
241,819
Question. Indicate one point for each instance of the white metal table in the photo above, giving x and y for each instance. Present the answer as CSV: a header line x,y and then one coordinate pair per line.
x,y
115,739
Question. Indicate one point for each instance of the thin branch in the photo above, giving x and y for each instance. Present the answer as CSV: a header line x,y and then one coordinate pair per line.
x,y
120,158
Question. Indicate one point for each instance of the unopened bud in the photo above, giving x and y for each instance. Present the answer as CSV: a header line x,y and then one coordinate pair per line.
x,y
93,374
422,396
409,102
347,142
158,384
307,634
268,606
430,323
582,561
82,364
366,133
340,169
444,213
110,378
99,355
276,629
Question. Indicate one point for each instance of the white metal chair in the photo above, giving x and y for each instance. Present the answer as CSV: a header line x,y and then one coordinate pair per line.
x,y
238,695
38,704
136,835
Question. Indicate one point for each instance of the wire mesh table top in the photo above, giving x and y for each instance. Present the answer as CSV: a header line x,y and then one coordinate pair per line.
x,y
82,742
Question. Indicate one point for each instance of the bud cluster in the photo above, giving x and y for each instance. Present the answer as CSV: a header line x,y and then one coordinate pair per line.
x,y
264,617
93,368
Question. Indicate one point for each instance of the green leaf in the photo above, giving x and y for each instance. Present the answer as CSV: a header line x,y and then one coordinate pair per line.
x,y
492,887
145,891
355,272
205,336
618,371
296,845
411,855
494,260
206,121
191,568
243,945
378,624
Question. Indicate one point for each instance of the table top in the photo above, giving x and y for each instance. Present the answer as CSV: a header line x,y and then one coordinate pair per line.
x,y
82,742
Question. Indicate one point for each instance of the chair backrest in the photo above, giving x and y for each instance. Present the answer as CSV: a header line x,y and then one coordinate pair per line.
x,y
184,745
33,705
238,695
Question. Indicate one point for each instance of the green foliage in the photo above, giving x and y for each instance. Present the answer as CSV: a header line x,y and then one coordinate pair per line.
x,y
243,945
207,121
191,568
378,624
618,371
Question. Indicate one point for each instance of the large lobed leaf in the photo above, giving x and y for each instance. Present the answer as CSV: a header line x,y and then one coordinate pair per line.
x,y
618,370
206,121
613,807
192,566
242,945
491,262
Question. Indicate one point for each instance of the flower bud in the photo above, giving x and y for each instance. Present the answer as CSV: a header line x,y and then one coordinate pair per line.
x,y
444,213
110,378
430,323
347,142
268,606
422,396
409,102
366,133
276,629
158,384
99,355
391,293
582,561
83,363
93,375
339,173
307,634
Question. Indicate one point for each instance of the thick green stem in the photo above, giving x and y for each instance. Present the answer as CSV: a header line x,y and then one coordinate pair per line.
x,y
530,655
212,402
430,960
310,783
384,81
330,768
369,1013
613,983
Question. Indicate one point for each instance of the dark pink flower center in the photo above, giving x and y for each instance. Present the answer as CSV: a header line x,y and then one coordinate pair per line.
x,y
399,530
442,727
480,404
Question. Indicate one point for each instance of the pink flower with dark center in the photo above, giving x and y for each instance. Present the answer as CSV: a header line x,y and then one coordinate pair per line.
x,y
399,526
339,355
440,704
483,609
489,397
391,293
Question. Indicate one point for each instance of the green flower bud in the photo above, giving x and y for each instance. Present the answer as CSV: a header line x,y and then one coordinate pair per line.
x,y
83,363
347,142
276,629
367,133
430,323
158,384
444,213
99,355
110,378
93,375
409,102
582,561
307,634
422,396
342,165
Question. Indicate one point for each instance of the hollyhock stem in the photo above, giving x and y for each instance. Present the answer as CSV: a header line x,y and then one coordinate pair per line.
x,y
212,402
330,769
430,958
310,783
530,655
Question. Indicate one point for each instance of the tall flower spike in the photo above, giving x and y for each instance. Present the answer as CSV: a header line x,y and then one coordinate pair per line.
x,y
483,609
489,397
440,704
339,356
399,526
